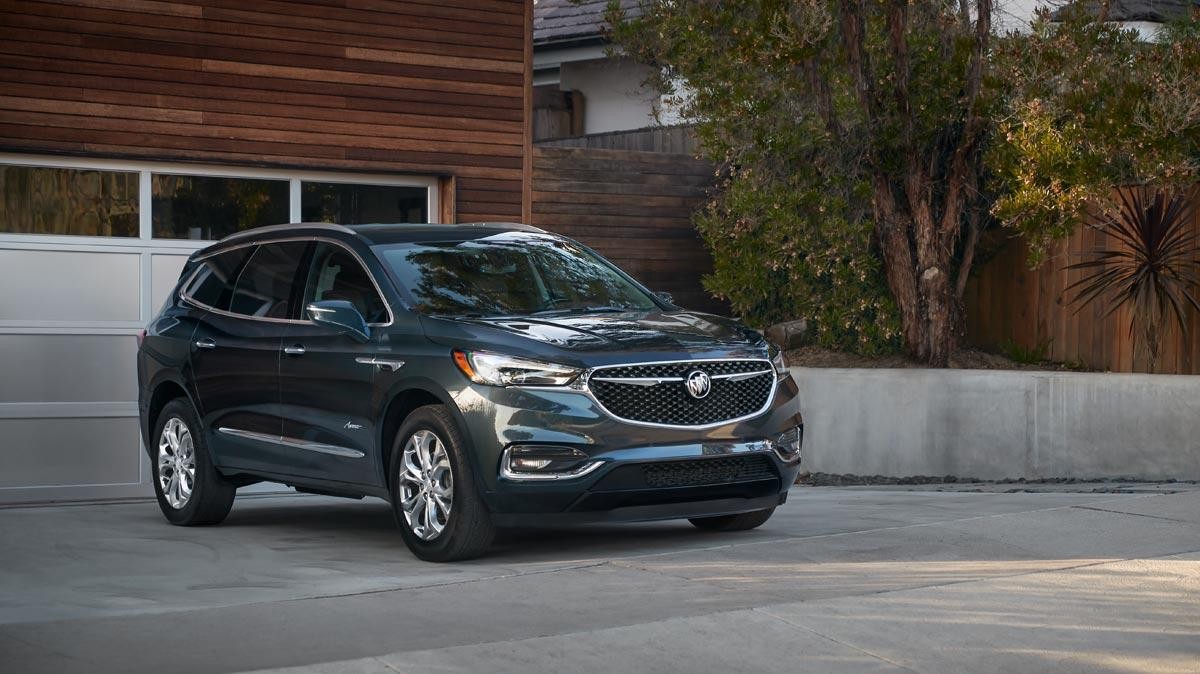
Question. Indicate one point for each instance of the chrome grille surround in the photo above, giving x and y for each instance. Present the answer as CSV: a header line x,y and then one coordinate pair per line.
x,y
653,393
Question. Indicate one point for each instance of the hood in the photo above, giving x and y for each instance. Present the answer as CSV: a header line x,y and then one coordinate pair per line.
x,y
594,339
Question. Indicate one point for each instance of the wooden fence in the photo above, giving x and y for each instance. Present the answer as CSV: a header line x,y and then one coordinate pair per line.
x,y
1007,302
669,139
633,207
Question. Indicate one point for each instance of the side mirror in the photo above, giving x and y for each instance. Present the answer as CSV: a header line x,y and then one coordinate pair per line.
x,y
341,316
666,297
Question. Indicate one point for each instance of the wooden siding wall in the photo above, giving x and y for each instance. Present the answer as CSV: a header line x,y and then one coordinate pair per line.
x,y
405,86
1008,302
673,139
633,207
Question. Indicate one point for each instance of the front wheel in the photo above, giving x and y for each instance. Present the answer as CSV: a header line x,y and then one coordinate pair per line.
x,y
434,498
190,491
739,522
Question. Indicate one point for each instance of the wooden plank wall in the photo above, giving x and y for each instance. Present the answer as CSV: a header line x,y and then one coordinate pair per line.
x,y
396,86
671,139
1007,301
633,207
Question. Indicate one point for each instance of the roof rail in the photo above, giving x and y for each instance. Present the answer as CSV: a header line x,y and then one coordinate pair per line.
x,y
284,227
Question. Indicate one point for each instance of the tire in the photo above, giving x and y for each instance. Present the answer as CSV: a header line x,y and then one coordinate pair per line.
x,y
419,490
739,522
211,495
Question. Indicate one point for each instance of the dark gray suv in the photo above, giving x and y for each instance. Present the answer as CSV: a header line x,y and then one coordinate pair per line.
x,y
475,376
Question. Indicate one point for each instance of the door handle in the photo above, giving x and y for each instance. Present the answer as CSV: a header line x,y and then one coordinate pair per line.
x,y
294,350
206,343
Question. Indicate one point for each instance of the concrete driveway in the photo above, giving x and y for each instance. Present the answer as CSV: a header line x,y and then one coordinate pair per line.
x,y
839,580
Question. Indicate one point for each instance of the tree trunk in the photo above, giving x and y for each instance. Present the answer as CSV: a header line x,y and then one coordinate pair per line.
x,y
917,262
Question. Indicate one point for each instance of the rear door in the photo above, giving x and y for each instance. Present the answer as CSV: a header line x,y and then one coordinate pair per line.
x,y
235,358
326,376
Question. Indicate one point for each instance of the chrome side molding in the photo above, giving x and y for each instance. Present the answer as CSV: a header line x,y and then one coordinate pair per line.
x,y
308,445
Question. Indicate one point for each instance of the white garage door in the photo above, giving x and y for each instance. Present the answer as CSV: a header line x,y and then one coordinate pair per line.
x,y
88,252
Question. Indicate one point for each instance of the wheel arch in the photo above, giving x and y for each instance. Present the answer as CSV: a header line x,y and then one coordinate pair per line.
x,y
162,392
403,400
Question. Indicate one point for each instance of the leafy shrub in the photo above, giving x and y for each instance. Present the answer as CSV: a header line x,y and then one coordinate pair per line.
x,y
792,251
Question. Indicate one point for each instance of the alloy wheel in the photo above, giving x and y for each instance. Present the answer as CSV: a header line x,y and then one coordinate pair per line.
x,y
426,485
176,463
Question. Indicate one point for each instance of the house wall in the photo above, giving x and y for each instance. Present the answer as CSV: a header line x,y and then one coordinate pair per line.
x,y
412,86
425,95
614,97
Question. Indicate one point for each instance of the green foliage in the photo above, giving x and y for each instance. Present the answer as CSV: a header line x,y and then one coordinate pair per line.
x,y
1088,107
792,252
772,101
1038,353
821,169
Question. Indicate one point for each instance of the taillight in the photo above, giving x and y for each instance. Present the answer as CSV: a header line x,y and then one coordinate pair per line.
x,y
141,337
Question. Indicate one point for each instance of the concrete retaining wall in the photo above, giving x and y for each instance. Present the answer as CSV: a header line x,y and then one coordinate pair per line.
x,y
995,424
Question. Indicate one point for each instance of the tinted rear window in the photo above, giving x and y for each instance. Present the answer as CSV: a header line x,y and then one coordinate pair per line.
x,y
212,284
265,287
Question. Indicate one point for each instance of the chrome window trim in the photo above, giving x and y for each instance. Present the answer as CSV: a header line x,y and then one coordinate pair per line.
x,y
284,440
296,321
580,385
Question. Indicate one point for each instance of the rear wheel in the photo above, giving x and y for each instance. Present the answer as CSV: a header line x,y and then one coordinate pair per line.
x,y
190,491
434,498
739,522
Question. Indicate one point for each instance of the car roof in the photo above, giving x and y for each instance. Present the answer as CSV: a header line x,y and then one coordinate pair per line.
x,y
377,235
372,235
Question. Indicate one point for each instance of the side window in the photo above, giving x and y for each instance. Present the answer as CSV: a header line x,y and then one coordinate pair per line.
x,y
265,287
212,284
338,275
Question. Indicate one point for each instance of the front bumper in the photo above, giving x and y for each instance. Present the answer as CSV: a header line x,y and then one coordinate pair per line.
x,y
497,418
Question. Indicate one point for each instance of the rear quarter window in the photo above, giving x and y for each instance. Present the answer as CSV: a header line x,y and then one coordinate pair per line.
x,y
211,283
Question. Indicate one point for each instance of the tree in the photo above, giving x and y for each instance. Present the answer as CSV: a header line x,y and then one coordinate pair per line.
x,y
1089,107
867,113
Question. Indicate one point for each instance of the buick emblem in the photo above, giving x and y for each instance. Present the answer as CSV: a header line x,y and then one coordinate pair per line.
x,y
698,384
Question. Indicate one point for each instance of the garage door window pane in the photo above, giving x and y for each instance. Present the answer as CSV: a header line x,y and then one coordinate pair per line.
x,y
39,200
203,207
349,204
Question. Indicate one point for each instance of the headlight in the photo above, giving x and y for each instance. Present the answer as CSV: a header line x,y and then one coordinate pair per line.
x,y
777,361
494,369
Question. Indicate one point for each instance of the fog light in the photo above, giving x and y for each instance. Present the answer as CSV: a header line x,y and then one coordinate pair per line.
x,y
526,462
787,445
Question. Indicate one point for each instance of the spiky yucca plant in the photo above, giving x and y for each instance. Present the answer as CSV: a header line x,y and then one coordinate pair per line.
x,y
1154,268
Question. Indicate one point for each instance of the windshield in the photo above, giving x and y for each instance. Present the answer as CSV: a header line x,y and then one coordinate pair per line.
x,y
511,274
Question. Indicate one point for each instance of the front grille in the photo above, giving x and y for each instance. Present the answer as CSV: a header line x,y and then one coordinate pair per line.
x,y
669,402
702,472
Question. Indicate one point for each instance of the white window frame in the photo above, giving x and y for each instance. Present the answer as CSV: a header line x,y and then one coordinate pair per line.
x,y
144,169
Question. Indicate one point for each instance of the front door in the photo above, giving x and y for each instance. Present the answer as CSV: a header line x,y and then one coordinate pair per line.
x,y
235,358
326,377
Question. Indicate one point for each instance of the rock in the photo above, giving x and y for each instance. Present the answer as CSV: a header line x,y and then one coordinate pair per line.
x,y
788,335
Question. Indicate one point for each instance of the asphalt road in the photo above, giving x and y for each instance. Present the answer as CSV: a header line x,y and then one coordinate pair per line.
x,y
839,580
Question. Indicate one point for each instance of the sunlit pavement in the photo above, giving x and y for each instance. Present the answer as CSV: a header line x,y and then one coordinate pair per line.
x,y
839,580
